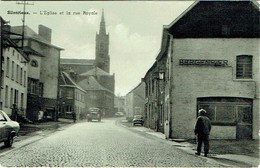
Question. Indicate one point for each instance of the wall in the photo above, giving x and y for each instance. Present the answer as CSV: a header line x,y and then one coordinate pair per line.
x,y
49,68
21,87
34,72
193,81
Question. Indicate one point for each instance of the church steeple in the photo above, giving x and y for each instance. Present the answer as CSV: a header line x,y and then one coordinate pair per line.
x,y
102,28
102,46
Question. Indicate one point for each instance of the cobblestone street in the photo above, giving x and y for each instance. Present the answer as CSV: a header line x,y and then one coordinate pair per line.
x,y
104,143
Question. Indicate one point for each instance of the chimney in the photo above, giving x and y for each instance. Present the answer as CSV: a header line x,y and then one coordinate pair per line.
x,y
45,32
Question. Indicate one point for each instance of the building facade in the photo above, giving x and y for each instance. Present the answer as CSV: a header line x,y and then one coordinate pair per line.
x,y
72,98
119,103
211,62
43,71
215,67
135,102
14,77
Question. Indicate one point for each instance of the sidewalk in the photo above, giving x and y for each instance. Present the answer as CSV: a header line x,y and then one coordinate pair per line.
x,y
28,130
244,152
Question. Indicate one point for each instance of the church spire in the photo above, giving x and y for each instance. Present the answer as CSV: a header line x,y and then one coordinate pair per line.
x,y
102,29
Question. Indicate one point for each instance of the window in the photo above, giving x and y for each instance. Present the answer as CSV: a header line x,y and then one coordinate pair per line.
x,y
22,101
34,63
227,110
12,75
18,57
21,76
11,97
40,89
13,52
6,96
17,73
25,79
244,67
225,30
16,93
7,66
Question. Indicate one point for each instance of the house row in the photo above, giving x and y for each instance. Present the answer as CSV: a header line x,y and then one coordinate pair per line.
x,y
208,59
30,69
134,102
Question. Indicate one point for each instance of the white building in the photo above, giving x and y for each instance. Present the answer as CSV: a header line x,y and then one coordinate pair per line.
x,y
14,77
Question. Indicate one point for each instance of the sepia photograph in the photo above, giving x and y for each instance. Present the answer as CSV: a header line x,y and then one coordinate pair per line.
x,y
129,83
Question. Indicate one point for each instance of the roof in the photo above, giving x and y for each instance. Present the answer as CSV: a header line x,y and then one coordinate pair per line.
x,y
30,34
10,42
205,19
92,84
29,50
77,61
134,89
96,71
69,82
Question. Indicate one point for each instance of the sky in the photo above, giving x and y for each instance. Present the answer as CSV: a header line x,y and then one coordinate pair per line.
x,y
134,27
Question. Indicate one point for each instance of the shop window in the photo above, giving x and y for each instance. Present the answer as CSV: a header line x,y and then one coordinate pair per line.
x,y
244,67
223,110
225,113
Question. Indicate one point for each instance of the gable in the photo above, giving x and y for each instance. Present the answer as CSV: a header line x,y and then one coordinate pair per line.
x,y
218,19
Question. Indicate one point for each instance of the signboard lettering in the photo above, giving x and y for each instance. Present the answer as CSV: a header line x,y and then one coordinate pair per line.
x,y
203,62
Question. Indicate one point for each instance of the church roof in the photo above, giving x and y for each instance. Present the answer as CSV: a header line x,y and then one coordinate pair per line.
x,y
92,84
67,81
96,71
77,61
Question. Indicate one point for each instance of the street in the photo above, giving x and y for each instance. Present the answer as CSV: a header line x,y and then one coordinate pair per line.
x,y
97,144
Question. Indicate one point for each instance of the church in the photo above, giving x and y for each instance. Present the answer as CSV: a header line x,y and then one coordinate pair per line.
x,y
93,75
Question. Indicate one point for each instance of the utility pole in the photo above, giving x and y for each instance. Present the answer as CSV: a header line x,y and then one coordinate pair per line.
x,y
23,20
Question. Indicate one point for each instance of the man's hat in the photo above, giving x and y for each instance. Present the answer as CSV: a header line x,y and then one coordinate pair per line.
x,y
202,112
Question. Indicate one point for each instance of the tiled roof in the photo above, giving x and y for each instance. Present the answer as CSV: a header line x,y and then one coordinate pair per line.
x,y
68,81
95,72
77,61
92,84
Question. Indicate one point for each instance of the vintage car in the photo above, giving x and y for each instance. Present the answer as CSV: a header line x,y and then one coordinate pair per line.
x,y
8,129
94,114
138,119
119,114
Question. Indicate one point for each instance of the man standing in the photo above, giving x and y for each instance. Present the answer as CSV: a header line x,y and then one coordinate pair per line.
x,y
202,130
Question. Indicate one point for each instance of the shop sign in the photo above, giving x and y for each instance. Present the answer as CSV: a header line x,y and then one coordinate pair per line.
x,y
203,62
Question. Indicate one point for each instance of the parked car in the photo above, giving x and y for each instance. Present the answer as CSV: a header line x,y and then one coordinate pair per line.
x,y
8,129
119,114
138,119
94,114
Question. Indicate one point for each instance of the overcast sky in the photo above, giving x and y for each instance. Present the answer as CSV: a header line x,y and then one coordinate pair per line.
x,y
135,29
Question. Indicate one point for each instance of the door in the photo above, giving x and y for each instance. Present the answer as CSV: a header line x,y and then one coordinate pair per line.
x,y
244,122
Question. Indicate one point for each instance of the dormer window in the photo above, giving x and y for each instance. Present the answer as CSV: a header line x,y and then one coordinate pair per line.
x,y
225,30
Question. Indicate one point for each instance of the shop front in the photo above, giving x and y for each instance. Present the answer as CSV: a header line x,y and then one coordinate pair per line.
x,y
228,114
